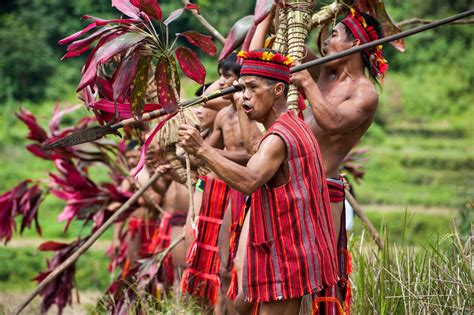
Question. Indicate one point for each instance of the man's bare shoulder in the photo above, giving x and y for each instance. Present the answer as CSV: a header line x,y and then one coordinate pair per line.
x,y
220,117
365,95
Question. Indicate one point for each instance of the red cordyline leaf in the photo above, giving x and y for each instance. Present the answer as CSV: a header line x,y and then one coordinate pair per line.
x,y
36,132
124,74
101,22
262,9
190,64
236,36
147,143
97,22
126,8
140,84
163,82
78,47
104,87
52,246
108,107
21,201
150,7
202,41
177,13
58,115
107,50
72,37
59,291
36,149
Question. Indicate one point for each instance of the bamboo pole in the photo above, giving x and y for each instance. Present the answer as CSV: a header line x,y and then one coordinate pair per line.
x,y
84,247
299,24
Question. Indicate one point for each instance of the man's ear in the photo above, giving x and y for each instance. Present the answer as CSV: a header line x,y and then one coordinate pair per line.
x,y
355,42
279,89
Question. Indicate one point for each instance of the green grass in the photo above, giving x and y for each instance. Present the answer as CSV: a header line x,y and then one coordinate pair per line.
x,y
418,227
434,277
20,265
408,168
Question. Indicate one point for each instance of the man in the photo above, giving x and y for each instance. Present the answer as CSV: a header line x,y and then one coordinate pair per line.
x,y
343,105
291,249
218,203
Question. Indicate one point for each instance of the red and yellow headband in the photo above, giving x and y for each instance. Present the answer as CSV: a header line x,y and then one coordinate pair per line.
x,y
266,64
356,23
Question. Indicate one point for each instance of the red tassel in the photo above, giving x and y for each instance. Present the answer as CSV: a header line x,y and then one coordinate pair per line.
x,y
232,291
327,300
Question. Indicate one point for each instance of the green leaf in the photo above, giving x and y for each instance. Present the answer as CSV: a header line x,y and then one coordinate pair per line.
x,y
137,97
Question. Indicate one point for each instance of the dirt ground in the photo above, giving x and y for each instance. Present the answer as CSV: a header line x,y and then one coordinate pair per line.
x,y
9,301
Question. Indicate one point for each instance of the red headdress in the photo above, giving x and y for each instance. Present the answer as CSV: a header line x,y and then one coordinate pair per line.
x,y
356,23
266,64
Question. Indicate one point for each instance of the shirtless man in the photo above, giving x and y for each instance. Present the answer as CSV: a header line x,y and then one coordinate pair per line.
x,y
225,138
290,207
343,105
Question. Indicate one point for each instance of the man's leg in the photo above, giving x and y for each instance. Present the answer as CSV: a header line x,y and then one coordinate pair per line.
x,y
336,209
282,307
224,302
239,302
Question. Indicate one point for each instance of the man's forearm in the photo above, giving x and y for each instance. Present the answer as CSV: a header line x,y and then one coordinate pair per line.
x,y
241,157
251,135
323,111
237,176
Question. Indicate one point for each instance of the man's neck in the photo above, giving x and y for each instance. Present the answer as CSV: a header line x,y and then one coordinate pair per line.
x,y
353,68
278,109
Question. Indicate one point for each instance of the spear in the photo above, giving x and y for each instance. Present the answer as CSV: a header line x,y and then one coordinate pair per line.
x,y
97,132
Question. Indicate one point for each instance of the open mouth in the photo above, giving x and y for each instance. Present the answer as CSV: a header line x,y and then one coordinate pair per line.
x,y
247,108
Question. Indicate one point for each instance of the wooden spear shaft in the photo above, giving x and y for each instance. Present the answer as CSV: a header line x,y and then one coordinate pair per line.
x,y
365,220
84,247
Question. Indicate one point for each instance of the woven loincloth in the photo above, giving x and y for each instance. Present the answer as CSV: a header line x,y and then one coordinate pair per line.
x,y
201,279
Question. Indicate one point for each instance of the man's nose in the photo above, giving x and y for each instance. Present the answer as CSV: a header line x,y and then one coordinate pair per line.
x,y
246,95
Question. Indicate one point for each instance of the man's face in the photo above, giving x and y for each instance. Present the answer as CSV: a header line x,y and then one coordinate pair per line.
x,y
225,80
337,41
257,97
133,156
206,116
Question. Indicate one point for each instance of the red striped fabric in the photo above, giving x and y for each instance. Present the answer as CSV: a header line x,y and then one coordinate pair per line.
x,y
336,190
145,229
160,241
201,279
291,250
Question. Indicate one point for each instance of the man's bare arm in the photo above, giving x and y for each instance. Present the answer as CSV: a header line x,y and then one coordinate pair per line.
x,y
338,118
260,169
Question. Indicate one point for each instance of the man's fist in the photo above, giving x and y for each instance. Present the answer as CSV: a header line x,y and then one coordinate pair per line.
x,y
189,139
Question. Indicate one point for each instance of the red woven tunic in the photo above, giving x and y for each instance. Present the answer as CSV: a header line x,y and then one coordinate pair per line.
x,y
291,250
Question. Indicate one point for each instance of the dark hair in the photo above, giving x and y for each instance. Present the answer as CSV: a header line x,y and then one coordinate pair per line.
x,y
230,64
273,82
378,30
201,89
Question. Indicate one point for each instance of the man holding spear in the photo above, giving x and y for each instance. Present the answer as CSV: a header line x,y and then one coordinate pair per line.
x,y
343,104
291,250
